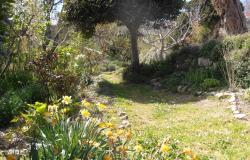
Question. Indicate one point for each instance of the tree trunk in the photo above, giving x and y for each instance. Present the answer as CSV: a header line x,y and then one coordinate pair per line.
x,y
233,20
135,63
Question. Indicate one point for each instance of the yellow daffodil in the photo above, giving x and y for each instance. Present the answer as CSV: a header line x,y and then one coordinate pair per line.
x,y
123,150
65,110
101,107
107,157
129,135
102,125
111,140
195,157
110,125
138,148
53,108
165,148
120,132
109,133
187,151
67,100
11,157
85,113
86,103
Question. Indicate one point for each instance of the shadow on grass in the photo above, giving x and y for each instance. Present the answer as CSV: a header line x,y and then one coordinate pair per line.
x,y
143,93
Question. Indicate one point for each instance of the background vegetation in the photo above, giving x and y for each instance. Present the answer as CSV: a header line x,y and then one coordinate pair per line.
x,y
86,81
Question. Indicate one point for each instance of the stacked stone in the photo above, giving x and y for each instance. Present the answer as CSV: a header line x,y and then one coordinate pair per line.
x,y
234,101
124,120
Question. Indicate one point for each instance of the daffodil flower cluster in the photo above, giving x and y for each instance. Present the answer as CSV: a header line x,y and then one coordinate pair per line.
x,y
89,126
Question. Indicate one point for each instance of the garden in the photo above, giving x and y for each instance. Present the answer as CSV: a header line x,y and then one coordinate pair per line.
x,y
124,80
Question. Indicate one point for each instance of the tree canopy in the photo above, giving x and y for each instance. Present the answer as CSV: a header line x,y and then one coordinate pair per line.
x,y
4,15
86,14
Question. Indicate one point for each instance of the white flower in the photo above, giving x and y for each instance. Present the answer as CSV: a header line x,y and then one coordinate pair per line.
x,y
67,100
76,65
53,108
68,54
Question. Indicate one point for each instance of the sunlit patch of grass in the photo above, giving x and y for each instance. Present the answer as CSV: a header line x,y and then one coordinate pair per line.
x,y
205,124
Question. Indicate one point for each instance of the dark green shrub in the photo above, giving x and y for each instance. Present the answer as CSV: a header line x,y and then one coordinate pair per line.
x,y
149,71
15,80
172,81
10,106
211,50
18,79
16,89
13,102
197,76
210,83
157,69
33,93
236,51
66,83
243,72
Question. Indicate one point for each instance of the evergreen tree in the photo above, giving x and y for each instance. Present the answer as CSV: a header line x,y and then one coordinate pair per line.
x,y
86,14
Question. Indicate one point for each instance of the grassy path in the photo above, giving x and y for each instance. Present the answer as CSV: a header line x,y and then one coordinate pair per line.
x,y
203,124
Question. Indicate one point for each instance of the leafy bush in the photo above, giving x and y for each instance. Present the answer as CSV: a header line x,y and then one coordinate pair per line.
x,y
210,50
243,72
172,81
236,53
15,80
149,71
210,83
13,102
197,76
33,92
16,89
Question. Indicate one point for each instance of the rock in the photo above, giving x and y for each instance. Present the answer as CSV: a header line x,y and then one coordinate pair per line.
x,y
189,90
233,99
184,89
125,122
240,116
179,88
154,80
127,125
234,108
219,95
124,117
198,93
156,83
121,114
236,112
204,62
2,134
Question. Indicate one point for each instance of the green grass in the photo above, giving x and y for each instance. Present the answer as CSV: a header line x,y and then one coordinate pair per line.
x,y
203,124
